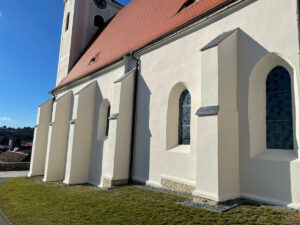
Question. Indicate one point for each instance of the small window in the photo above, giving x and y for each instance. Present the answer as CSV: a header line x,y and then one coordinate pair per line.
x,y
98,21
279,110
103,121
107,121
184,118
186,4
67,22
94,59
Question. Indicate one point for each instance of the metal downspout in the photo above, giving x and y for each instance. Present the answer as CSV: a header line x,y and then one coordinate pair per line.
x,y
133,118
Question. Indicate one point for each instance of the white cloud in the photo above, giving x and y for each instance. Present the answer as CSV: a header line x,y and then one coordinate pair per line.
x,y
5,118
1,14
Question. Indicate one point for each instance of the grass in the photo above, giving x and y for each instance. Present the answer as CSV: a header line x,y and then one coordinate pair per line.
x,y
26,201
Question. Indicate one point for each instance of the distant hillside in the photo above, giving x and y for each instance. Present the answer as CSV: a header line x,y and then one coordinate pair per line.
x,y
23,134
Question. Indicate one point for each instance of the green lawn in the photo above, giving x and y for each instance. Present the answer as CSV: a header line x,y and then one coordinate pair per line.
x,y
29,202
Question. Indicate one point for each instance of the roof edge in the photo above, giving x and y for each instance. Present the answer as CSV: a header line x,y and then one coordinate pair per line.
x,y
162,37
187,24
86,75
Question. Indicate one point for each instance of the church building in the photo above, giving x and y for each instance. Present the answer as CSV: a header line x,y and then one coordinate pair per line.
x,y
195,96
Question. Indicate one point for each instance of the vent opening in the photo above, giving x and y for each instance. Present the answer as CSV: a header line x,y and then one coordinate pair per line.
x,y
94,59
98,21
187,4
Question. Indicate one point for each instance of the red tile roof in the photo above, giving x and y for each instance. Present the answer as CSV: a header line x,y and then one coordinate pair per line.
x,y
137,24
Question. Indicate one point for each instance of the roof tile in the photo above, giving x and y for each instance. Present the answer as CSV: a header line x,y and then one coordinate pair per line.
x,y
137,24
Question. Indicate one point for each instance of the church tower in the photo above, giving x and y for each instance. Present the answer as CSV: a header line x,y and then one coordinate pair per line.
x,y
83,19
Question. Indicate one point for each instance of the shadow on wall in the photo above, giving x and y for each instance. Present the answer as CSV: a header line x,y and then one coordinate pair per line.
x,y
259,178
141,157
95,172
203,25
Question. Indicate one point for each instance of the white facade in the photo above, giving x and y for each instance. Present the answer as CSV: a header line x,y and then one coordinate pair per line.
x,y
227,157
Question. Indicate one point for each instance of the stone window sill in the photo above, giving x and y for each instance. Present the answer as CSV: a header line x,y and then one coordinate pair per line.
x,y
277,155
185,149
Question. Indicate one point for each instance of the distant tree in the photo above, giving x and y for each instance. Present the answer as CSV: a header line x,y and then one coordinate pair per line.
x,y
4,141
25,135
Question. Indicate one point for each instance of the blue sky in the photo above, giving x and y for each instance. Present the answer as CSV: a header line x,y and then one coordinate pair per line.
x,y
29,47
123,2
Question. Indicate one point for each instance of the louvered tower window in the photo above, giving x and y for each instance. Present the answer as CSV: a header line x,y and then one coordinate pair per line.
x,y
98,21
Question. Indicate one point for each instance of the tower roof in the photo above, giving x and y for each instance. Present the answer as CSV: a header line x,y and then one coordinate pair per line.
x,y
137,24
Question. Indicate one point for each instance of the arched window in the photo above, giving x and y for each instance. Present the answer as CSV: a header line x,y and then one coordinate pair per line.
x,y
98,21
184,118
107,121
104,114
67,22
279,110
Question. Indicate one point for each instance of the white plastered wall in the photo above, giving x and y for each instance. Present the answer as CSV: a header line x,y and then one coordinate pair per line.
x,y
101,156
207,171
100,140
217,152
58,138
39,148
80,138
273,171
161,71
65,41
229,183
178,60
115,149
92,156
122,150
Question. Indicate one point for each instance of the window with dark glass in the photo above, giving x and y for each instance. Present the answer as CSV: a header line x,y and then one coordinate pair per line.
x,y
67,22
279,110
107,121
184,118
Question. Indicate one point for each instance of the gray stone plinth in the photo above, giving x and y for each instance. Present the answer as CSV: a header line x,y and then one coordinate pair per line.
x,y
107,183
200,200
176,186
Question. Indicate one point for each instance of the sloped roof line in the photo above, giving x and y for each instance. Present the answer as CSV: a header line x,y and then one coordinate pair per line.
x,y
113,47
